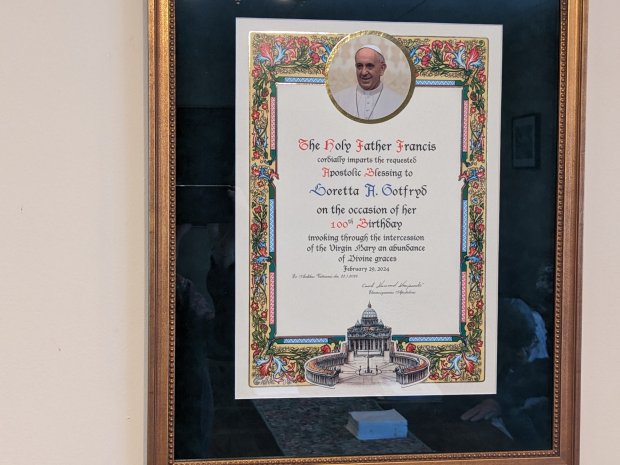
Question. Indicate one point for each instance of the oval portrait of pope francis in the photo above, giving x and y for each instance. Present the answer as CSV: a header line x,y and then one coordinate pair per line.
x,y
370,78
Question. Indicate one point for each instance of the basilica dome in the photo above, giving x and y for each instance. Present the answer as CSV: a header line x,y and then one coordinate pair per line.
x,y
369,316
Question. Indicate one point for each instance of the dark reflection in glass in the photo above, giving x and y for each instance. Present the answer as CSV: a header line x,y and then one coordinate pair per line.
x,y
204,147
209,422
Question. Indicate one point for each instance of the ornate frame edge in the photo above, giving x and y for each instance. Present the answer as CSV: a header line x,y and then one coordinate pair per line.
x,y
571,143
161,126
162,250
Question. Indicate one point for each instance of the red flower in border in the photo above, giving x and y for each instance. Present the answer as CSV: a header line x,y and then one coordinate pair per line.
x,y
290,55
474,54
477,346
265,51
410,347
448,46
264,368
255,115
470,366
326,349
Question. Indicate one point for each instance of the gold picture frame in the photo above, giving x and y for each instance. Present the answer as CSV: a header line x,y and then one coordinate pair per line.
x,y
567,284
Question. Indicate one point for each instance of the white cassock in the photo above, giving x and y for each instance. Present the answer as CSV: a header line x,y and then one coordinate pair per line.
x,y
369,104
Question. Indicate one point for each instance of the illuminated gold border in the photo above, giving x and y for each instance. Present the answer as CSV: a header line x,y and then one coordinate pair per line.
x,y
262,327
385,36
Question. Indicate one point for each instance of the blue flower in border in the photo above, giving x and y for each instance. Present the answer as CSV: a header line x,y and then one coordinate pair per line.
x,y
454,364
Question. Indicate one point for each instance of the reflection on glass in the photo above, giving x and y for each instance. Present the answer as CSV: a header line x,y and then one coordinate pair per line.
x,y
209,422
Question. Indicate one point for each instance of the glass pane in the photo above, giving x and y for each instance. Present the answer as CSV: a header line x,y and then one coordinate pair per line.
x,y
209,422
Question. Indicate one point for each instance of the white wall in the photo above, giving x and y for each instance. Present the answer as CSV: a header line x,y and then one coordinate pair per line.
x,y
600,405
72,232
73,241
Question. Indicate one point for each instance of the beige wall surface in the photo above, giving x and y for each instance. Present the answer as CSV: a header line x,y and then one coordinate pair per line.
x,y
600,404
73,234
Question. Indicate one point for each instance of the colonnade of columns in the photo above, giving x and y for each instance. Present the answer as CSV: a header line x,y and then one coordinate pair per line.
x,y
321,370
366,344
412,368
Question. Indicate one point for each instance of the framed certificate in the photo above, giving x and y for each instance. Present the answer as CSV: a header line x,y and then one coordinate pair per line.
x,y
384,198
348,263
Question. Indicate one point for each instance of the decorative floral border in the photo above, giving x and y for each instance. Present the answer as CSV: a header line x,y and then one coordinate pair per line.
x,y
456,62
